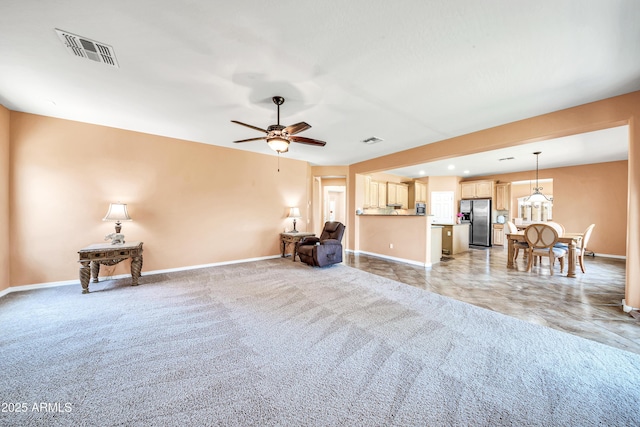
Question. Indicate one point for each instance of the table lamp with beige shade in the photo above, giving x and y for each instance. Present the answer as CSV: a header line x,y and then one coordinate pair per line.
x,y
294,213
117,212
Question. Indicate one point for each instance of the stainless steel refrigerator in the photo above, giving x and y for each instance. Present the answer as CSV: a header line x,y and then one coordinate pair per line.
x,y
478,214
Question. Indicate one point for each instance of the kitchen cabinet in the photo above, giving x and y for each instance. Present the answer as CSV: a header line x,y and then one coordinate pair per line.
x,y
503,196
498,234
382,195
398,194
455,238
417,193
378,194
476,190
367,192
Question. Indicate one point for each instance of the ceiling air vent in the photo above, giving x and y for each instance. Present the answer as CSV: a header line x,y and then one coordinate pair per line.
x,y
372,140
87,48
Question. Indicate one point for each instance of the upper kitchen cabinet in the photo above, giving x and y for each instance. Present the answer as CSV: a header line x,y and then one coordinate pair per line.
x,y
398,194
378,194
367,192
503,196
417,193
476,190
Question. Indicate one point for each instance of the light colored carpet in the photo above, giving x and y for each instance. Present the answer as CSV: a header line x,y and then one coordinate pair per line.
x,y
279,343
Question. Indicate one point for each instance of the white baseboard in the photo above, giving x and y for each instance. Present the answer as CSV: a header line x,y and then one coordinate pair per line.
x,y
626,308
121,276
407,261
607,256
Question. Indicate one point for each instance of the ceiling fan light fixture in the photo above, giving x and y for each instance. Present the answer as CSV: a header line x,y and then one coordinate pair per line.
x,y
278,136
278,144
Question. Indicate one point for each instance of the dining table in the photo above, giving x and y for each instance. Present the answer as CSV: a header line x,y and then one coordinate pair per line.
x,y
570,239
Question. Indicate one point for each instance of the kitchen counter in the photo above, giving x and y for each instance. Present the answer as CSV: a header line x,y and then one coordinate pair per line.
x,y
366,214
411,239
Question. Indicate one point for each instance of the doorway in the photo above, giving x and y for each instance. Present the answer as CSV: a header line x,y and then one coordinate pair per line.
x,y
335,201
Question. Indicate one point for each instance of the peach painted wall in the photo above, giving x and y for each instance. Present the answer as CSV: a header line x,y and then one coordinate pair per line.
x,y
191,203
616,111
4,198
588,194
406,233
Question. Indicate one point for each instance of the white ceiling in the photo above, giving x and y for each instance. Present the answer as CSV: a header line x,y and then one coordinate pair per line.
x,y
606,145
411,72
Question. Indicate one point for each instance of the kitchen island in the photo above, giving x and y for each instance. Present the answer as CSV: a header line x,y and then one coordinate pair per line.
x,y
455,238
401,237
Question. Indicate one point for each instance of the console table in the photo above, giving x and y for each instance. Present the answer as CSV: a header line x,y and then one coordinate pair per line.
x,y
94,255
295,238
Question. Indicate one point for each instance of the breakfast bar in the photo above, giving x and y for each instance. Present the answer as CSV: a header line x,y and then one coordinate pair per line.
x,y
406,238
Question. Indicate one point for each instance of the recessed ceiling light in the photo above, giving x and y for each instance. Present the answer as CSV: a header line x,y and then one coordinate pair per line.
x,y
451,167
466,172
421,172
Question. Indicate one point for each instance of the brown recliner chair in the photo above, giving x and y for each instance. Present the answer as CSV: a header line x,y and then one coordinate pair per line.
x,y
325,250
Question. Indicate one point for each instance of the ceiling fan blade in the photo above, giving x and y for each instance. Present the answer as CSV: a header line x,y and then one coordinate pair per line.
x,y
251,139
310,141
297,128
249,126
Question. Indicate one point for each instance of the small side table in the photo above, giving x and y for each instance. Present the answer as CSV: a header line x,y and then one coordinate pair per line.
x,y
295,238
107,254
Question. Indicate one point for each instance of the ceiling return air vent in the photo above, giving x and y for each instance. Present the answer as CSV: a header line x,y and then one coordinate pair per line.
x,y
87,48
372,140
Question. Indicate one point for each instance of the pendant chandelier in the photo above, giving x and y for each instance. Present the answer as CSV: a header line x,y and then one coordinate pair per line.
x,y
537,196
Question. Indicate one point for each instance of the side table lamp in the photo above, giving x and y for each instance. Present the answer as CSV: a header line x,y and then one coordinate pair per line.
x,y
294,213
117,212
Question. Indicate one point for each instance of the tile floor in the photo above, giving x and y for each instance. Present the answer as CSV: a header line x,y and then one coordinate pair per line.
x,y
588,305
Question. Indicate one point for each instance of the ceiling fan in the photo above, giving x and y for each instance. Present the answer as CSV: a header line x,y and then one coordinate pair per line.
x,y
278,136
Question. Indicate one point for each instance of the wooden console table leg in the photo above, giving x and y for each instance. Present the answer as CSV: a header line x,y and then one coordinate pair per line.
x,y
136,268
95,271
85,275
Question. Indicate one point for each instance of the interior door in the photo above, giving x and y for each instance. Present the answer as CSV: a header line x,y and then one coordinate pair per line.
x,y
442,207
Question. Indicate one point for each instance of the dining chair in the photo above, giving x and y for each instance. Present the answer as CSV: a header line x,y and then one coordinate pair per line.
x,y
516,245
583,245
581,248
557,226
541,239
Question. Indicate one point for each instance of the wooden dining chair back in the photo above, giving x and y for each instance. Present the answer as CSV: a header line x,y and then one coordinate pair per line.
x,y
541,239
583,246
516,245
557,226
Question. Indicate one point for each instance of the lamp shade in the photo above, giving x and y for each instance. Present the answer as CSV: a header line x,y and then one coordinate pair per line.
x,y
537,197
278,144
117,212
294,213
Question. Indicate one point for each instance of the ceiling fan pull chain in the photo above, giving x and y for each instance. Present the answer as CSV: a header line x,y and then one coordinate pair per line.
x,y
278,161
